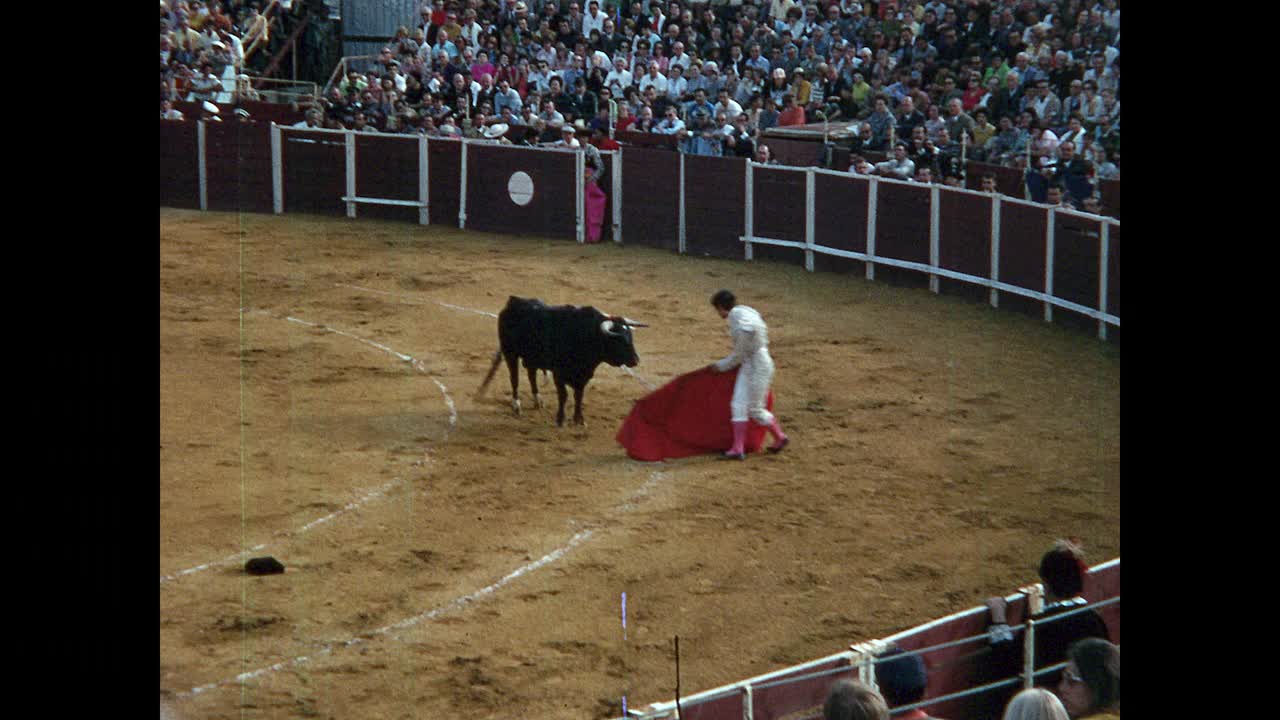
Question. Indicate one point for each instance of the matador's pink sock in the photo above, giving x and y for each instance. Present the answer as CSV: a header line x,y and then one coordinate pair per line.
x,y
739,437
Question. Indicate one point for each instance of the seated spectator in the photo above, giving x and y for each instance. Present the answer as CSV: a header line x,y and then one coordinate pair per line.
x,y
313,120
1056,196
568,137
858,165
767,115
933,123
600,138
881,121
902,679
244,90
908,117
1090,685
739,140
865,141
982,131
987,183
899,166
205,85
1106,170
703,136
1035,704
792,114
168,112
671,123
1071,171
764,155
1009,142
1062,572
853,700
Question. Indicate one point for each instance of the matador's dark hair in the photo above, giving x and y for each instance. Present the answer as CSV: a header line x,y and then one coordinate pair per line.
x,y
724,299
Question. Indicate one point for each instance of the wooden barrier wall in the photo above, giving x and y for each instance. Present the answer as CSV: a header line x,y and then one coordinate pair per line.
x,y
238,177
179,165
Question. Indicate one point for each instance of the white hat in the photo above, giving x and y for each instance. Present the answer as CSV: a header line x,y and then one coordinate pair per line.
x,y
209,107
218,44
567,128
496,130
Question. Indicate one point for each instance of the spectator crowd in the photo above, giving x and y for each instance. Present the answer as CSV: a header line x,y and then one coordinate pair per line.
x,y
1033,84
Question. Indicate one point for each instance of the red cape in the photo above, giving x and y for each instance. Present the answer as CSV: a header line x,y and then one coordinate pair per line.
x,y
687,416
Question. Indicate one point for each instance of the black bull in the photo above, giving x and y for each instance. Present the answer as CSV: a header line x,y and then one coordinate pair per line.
x,y
569,341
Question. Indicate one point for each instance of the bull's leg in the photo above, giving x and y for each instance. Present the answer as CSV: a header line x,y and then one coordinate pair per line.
x,y
533,385
562,395
577,405
513,365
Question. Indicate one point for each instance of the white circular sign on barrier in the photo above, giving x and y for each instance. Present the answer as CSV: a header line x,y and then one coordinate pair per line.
x,y
520,188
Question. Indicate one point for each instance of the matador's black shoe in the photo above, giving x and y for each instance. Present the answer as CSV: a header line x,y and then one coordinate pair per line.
x,y
728,455
780,446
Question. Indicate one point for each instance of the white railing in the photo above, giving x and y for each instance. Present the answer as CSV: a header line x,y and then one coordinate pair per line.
x,y
933,267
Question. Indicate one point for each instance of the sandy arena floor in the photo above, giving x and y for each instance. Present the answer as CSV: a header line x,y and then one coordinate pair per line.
x,y
447,559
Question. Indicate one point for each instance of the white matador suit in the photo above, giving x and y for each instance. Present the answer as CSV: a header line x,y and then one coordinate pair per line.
x,y
751,351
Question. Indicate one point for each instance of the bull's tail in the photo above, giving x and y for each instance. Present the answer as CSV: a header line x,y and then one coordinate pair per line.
x,y
497,358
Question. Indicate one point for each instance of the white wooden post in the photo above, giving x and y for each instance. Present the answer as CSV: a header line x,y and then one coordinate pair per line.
x,y
1103,276
424,212
681,244
995,247
873,192
935,234
277,171
200,165
349,141
808,219
1048,264
617,192
749,223
462,196
580,194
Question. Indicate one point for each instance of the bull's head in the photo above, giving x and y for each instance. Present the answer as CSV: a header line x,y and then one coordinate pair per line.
x,y
618,346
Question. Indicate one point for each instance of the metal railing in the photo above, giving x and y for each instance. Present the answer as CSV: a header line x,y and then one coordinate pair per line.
x,y
360,63
862,658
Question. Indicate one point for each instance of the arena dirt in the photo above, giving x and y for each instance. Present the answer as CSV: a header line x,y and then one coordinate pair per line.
x,y
447,559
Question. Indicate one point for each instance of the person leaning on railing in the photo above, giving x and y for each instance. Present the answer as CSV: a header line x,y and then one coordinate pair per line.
x,y
1062,571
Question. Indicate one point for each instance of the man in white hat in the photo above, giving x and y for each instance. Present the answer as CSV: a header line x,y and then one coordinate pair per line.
x,y
568,137
209,112
496,131
244,90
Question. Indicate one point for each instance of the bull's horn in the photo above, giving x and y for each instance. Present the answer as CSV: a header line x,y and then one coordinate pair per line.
x,y
633,323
